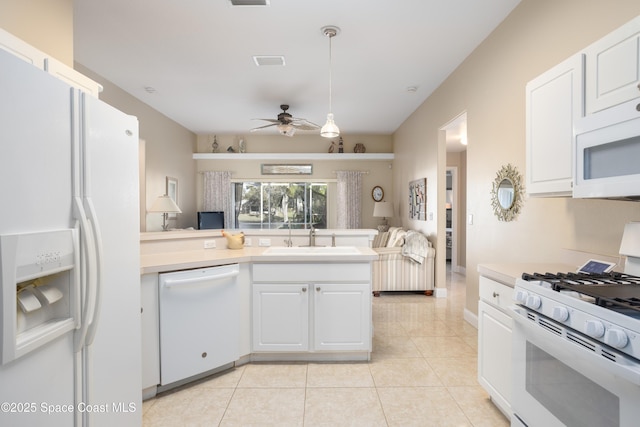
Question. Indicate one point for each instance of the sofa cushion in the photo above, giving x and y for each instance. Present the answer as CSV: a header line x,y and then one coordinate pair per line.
x,y
396,239
380,241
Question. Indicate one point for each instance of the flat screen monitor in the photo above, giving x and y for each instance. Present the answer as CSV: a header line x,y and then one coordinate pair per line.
x,y
210,220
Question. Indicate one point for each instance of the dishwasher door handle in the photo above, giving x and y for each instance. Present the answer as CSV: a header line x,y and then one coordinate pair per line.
x,y
196,282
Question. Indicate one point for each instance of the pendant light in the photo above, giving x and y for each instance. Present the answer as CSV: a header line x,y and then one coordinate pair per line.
x,y
330,130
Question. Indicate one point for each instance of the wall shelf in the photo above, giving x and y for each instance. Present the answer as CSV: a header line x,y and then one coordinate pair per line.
x,y
293,156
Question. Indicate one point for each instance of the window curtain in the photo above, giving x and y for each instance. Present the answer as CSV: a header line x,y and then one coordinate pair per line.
x,y
349,199
217,195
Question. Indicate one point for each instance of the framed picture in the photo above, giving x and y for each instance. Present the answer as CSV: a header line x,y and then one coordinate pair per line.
x,y
172,192
418,199
267,169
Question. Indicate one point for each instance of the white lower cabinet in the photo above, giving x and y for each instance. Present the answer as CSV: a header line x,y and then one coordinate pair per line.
x,y
280,317
321,313
342,316
494,342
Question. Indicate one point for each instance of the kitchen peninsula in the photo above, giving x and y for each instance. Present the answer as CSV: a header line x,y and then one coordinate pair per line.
x,y
285,303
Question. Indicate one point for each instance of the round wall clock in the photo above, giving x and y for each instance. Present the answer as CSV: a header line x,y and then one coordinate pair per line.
x,y
377,193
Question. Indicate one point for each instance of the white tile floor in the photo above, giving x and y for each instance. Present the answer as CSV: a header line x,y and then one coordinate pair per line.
x,y
422,373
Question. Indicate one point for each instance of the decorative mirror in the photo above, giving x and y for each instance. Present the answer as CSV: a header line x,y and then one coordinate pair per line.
x,y
506,193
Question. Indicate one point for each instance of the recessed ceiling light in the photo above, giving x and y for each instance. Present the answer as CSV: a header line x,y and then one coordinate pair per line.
x,y
249,2
261,60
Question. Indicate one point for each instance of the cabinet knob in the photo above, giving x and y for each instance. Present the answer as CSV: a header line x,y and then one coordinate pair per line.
x,y
638,107
304,289
318,289
496,295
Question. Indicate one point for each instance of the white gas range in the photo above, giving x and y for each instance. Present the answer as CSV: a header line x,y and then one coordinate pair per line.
x,y
576,345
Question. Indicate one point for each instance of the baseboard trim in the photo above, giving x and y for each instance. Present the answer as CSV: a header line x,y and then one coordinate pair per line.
x,y
471,318
440,292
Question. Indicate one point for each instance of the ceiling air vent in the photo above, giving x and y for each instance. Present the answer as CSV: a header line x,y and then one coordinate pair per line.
x,y
263,60
249,2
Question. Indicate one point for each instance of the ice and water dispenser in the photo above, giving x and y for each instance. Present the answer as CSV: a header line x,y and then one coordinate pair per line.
x,y
39,289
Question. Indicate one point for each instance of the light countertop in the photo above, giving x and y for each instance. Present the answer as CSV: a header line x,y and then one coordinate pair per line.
x,y
183,260
508,273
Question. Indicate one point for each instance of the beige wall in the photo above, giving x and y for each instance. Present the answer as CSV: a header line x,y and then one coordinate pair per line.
x,y
490,87
44,24
379,172
169,151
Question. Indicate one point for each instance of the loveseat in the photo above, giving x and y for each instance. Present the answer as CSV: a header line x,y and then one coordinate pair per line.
x,y
405,262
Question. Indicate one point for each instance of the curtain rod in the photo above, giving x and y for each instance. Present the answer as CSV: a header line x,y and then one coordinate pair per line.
x,y
362,172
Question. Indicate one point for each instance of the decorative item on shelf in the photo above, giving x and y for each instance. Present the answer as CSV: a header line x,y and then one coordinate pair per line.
x,y
340,146
332,148
230,149
214,145
359,148
383,210
330,129
418,199
506,193
243,145
165,206
234,241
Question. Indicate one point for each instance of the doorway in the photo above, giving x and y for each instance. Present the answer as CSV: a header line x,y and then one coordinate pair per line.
x,y
456,195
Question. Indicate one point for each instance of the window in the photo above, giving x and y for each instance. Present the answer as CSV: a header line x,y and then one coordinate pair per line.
x,y
280,204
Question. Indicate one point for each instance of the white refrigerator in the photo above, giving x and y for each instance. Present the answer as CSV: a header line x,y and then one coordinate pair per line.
x,y
69,255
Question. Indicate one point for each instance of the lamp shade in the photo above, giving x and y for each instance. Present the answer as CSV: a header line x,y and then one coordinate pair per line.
x,y
330,129
383,210
164,204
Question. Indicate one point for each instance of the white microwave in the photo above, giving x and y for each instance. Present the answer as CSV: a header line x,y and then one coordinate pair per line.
x,y
607,153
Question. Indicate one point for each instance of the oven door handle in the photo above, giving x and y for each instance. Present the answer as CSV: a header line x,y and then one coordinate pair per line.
x,y
625,369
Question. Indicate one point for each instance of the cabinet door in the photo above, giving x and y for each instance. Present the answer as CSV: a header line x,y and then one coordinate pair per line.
x,y
150,331
342,317
280,317
613,68
554,102
494,354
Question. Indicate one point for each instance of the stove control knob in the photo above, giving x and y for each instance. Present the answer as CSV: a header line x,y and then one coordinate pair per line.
x,y
533,302
594,328
616,338
560,314
520,296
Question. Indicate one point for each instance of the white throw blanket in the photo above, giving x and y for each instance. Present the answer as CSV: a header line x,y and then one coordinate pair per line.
x,y
416,246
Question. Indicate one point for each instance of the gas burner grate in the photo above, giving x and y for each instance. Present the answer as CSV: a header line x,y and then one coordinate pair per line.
x,y
615,290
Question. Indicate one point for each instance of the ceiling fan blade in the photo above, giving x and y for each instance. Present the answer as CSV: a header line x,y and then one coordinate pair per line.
x,y
262,127
306,126
301,122
269,120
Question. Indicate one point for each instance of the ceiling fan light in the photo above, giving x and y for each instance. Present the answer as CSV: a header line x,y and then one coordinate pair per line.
x,y
330,129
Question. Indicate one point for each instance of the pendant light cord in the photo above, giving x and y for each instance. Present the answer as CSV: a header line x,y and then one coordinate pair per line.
x,y
330,72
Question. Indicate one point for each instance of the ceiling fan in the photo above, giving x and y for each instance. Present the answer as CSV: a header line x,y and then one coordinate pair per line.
x,y
287,124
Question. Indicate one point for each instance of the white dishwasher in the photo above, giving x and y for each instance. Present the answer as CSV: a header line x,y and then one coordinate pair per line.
x,y
198,321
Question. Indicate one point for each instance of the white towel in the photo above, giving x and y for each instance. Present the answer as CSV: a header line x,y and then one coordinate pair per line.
x,y
416,246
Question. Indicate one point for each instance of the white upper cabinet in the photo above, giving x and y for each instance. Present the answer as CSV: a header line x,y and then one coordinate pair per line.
x,y
30,54
554,101
613,68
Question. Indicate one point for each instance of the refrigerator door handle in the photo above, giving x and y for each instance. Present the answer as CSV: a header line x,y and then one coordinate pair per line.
x,y
98,270
88,306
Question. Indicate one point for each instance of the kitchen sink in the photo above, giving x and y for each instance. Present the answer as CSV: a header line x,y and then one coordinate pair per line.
x,y
312,250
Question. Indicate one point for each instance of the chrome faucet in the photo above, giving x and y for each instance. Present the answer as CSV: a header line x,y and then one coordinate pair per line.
x,y
312,236
288,243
